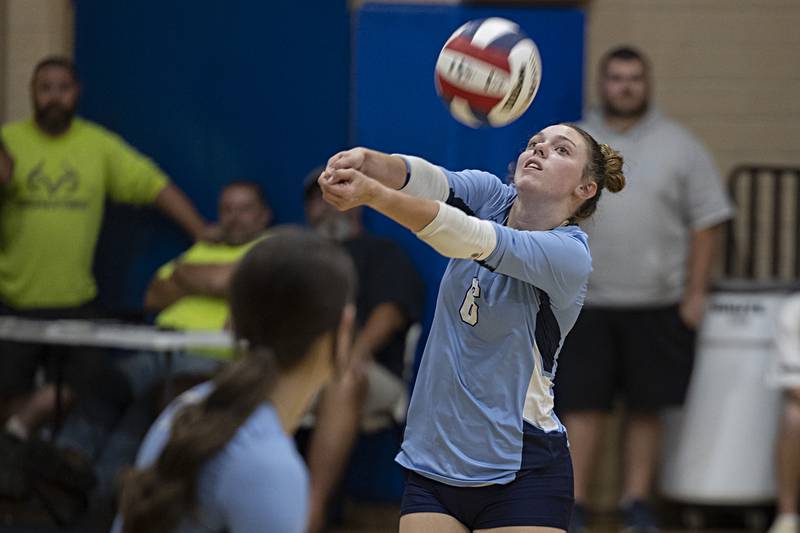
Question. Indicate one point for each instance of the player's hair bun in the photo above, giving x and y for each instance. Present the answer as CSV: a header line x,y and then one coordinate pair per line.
x,y
615,179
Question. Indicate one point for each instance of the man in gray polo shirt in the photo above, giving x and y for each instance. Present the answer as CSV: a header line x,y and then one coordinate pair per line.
x,y
652,248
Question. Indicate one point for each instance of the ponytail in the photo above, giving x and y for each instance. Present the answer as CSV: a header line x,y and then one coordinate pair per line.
x,y
156,498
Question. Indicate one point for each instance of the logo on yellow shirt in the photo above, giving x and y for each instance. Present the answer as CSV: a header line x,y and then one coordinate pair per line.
x,y
37,180
40,190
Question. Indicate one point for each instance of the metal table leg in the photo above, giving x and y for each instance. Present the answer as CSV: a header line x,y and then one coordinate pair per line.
x,y
168,384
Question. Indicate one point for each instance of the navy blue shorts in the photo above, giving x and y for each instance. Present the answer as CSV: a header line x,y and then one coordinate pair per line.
x,y
644,356
539,496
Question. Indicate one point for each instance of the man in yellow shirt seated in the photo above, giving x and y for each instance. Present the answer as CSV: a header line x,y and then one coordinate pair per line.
x,y
190,292
56,172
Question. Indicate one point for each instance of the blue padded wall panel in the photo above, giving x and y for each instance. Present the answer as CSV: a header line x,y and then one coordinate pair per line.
x,y
211,91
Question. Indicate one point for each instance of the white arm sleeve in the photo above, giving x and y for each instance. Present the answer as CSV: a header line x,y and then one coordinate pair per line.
x,y
424,179
455,234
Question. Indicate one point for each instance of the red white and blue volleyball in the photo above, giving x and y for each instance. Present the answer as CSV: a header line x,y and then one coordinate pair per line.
x,y
488,72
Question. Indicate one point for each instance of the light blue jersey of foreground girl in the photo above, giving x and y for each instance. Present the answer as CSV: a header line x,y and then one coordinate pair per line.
x,y
258,483
482,407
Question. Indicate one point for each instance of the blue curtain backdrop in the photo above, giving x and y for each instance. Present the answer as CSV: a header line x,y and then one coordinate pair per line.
x,y
267,90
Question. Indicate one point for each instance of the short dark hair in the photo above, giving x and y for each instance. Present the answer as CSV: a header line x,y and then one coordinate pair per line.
x,y
624,53
254,186
56,61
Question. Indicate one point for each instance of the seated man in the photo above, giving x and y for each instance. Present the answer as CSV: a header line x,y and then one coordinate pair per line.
x,y
190,292
389,300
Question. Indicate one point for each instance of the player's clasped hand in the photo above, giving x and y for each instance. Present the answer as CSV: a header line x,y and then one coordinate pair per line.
x,y
353,158
347,188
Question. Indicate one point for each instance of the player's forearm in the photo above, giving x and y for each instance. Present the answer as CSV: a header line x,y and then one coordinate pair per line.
x,y
390,170
702,250
382,324
176,205
408,211
444,228
335,430
205,279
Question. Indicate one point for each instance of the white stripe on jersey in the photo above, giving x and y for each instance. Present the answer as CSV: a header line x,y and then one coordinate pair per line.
x,y
538,409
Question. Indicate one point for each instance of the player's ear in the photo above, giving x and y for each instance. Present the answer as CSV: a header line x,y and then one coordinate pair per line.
x,y
584,191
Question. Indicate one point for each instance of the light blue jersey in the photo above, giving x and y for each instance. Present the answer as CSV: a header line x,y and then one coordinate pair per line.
x,y
257,483
486,379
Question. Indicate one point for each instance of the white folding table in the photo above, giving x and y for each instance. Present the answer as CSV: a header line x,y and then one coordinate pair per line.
x,y
107,334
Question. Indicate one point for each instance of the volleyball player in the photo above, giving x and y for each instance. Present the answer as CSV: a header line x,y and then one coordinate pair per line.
x,y
482,445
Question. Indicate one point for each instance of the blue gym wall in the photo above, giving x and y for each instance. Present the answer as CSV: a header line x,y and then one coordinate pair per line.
x,y
265,90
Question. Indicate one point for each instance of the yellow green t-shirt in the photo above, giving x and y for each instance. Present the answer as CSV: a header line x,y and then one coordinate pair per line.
x,y
204,313
51,211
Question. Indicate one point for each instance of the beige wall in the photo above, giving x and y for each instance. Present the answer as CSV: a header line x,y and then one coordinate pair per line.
x,y
728,69
29,30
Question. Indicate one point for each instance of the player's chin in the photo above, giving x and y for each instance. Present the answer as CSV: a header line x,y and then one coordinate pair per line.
x,y
528,185
527,178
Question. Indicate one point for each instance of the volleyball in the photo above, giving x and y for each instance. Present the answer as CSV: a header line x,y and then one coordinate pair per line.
x,y
488,72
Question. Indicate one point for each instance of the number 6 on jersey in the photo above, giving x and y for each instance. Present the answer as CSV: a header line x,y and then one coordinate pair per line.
x,y
469,309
